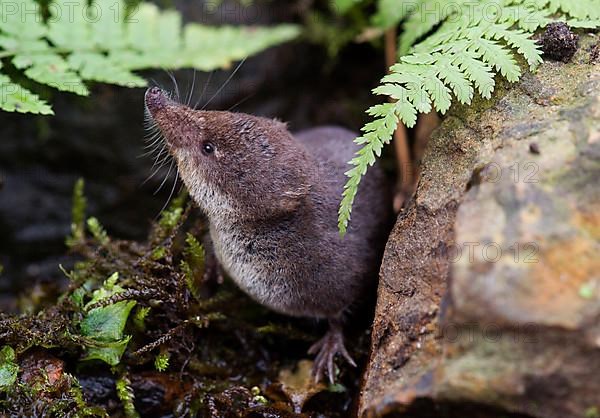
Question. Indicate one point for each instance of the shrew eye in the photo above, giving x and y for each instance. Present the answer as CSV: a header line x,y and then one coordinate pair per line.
x,y
208,148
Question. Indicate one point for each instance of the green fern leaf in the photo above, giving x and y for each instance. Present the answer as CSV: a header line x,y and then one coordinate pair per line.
x,y
68,28
525,17
498,56
425,17
107,18
21,19
470,41
419,97
372,142
581,9
479,73
52,70
439,93
454,77
584,24
391,12
98,67
15,98
105,42
519,40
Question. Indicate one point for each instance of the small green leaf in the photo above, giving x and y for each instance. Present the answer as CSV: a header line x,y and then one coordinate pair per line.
x,y
107,323
97,231
161,361
108,352
104,325
22,19
139,317
125,394
337,388
98,67
8,368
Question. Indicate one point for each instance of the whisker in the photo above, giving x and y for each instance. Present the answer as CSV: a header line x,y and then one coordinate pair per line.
x,y
174,80
153,140
204,89
151,151
160,167
164,160
165,179
241,101
152,148
172,191
159,155
191,93
225,83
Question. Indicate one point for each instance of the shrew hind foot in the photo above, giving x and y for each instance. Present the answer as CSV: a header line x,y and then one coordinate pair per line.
x,y
326,348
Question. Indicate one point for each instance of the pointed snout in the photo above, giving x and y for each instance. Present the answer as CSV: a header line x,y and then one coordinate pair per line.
x,y
175,121
156,99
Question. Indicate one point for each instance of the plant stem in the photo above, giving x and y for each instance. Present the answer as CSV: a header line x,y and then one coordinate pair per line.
x,y
405,169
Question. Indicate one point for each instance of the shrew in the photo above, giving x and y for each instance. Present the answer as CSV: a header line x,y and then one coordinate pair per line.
x,y
271,199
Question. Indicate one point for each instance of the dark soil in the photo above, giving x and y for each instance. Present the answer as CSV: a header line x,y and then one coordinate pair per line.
x,y
559,43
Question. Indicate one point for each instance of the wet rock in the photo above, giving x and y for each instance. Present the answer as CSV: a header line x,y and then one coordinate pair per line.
x,y
299,386
534,148
156,393
99,388
42,371
489,292
232,402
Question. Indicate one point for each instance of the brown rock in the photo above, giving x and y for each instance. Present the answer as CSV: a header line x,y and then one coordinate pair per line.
x,y
43,372
489,292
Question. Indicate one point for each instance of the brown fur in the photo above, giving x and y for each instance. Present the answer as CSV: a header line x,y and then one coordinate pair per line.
x,y
272,198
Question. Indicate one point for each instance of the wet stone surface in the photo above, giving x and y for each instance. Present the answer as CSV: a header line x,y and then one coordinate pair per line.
x,y
501,308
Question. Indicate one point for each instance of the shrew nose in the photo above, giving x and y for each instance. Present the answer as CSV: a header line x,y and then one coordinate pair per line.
x,y
155,99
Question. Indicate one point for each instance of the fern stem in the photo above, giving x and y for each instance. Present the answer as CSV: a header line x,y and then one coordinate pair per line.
x,y
400,135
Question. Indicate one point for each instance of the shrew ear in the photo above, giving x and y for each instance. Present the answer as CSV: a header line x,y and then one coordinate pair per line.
x,y
293,198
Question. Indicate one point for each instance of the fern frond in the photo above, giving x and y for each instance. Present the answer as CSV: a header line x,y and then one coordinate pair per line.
x,y
391,12
425,17
517,39
479,73
106,42
471,41
376,134
15,98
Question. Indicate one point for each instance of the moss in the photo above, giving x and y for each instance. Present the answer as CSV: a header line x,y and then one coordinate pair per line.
x,y
168,332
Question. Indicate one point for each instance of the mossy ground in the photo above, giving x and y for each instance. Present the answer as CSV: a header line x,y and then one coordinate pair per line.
x,y
144,329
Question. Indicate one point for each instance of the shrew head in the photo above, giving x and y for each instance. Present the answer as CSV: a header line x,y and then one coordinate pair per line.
x,y
233,162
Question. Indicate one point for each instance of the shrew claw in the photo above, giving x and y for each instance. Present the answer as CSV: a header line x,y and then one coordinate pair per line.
x,y
326,348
